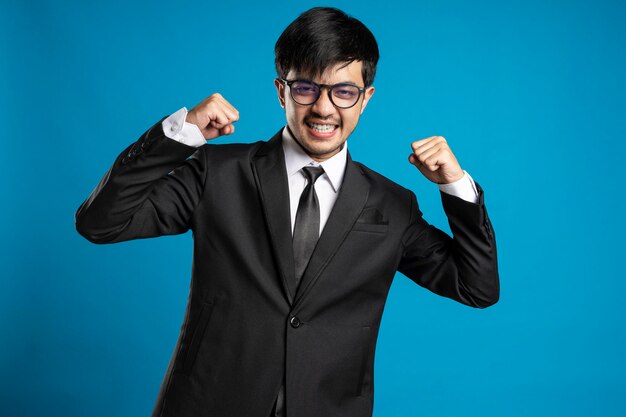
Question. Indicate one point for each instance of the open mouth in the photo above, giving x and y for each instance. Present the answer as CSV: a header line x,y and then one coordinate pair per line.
x,y
322,129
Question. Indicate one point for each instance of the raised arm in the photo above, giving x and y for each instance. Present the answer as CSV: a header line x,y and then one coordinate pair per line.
x,y
155,184
464,267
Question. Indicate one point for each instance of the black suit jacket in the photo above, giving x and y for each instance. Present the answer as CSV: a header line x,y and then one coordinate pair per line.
x,y
246,326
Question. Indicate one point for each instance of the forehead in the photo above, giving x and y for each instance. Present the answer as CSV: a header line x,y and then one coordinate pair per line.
x,y
338,73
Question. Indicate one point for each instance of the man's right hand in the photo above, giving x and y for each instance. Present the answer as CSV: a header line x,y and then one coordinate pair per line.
x,y
214,116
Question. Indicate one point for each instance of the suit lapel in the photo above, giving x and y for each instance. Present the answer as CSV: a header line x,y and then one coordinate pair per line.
x,y
270,173
350,202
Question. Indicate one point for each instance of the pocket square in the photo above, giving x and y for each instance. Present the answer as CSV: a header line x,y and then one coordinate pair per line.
x,y
372,216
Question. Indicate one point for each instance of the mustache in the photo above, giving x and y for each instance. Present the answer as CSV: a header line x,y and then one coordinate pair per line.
x,y
315,118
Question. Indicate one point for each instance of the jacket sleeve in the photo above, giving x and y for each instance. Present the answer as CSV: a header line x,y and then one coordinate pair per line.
x,y
152,189
463,268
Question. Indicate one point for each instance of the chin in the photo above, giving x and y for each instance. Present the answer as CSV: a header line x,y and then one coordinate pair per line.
x,y
323,152
319,147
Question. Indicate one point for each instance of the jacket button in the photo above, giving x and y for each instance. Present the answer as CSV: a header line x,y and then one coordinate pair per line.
x,y
295,322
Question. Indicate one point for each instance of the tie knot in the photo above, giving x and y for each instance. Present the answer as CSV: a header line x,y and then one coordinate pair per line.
x,y
312,173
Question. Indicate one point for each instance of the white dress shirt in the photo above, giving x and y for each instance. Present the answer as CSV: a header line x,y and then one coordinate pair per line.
x,y
326,187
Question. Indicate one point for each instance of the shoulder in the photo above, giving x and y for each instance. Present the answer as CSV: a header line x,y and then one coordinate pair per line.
x,y
231,154
382,184
390,198
230,150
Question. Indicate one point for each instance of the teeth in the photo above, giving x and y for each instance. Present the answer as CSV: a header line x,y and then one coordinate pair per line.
x,y
322,128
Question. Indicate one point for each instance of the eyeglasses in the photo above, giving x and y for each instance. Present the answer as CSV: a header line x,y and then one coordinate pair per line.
x,y
306,93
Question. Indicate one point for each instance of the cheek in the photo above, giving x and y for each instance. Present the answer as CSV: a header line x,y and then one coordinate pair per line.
x,y
290,112
294,118
351,119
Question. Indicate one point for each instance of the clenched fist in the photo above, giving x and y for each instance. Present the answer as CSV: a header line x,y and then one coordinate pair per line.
x,y
433,157
214,116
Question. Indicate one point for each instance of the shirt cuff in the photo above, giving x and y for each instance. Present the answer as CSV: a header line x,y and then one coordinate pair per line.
x,y
175,127
465,188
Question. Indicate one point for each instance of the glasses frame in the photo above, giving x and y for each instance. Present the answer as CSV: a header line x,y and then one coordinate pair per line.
x,y
329,87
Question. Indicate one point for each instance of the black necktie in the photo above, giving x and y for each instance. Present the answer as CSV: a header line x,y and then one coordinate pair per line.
x,y
306,230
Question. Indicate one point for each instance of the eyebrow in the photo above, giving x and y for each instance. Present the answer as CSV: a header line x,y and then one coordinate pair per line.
x,y
352,83
348,83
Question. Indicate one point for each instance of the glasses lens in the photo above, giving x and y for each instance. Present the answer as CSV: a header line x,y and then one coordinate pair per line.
x,y
345,95
304,92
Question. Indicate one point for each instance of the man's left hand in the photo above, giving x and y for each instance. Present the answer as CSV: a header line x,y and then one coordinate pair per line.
x,y
433,157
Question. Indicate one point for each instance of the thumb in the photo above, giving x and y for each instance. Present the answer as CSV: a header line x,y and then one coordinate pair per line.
x,y
414,161
227,130
423,169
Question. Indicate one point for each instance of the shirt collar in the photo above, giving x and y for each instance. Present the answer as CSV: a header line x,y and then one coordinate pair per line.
x,y
296,158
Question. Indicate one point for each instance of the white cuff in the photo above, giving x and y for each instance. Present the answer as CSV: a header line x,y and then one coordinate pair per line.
x,y
175,127
464,188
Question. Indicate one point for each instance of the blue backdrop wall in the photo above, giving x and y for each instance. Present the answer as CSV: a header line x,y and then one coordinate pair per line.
x,y
530,95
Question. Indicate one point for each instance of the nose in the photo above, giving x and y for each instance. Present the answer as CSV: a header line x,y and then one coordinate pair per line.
x,y
323,106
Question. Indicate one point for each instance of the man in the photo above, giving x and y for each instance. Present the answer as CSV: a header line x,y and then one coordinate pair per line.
x,y
295,244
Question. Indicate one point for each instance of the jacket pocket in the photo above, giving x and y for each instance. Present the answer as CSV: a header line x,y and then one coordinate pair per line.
x,y
365,341
196,338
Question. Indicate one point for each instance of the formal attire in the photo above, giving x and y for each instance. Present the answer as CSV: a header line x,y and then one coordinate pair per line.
x,y
251,329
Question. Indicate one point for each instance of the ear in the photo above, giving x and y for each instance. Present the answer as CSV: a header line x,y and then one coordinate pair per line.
x,y
369,92
280,89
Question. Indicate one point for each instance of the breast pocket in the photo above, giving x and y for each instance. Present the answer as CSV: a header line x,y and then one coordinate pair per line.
x,y
198,335
371,220
370,227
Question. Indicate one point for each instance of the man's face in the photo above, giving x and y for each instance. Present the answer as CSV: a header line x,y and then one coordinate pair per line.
x,y
310,124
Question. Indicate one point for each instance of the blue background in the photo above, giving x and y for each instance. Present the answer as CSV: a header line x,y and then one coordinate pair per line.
x,y
530,95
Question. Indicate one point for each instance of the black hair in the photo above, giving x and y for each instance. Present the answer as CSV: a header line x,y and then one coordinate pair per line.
x,y
323,37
